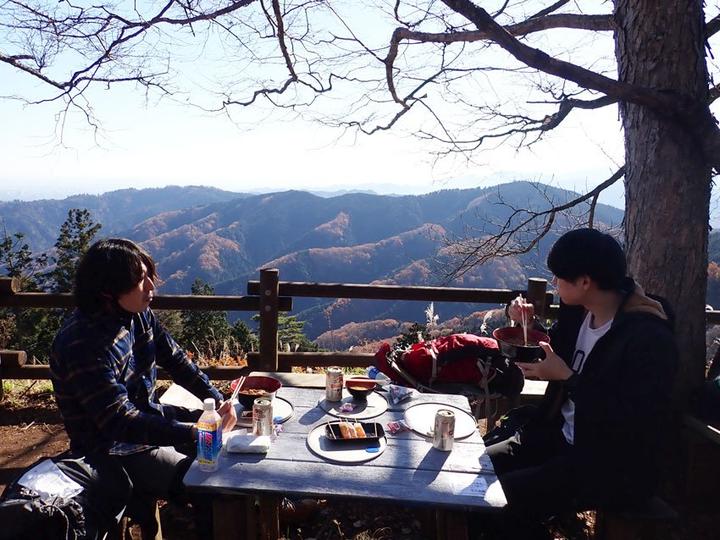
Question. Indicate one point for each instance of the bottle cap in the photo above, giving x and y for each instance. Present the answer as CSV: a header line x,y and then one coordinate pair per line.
x,y
209,404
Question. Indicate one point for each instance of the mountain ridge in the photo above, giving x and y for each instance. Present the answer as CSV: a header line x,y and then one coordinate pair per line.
x,y
224,238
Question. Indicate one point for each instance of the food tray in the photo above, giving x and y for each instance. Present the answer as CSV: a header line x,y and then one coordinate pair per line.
x,y
344,450
373,430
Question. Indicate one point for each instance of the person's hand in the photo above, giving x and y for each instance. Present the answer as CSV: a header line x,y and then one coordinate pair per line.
x,y
518,308
228,415
553,368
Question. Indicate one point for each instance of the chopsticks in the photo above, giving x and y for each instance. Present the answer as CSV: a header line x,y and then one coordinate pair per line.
x,y
524,317
235,393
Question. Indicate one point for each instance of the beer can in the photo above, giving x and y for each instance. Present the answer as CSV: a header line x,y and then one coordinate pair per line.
x,y
333,384
262,417
444,433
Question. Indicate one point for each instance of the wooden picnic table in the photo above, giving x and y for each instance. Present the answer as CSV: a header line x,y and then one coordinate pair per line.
x,y
408,472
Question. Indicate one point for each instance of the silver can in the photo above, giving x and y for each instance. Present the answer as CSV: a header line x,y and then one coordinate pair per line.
x,y
444,433
333,384
262,417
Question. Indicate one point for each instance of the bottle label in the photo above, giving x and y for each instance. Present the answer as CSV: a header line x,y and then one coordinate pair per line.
x,y
209,442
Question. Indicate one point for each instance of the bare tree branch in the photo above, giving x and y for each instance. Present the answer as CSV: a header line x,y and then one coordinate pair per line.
x,y
501,10
533,224
695,117
557,5
593,206
586,22
14,61
518,124
281,39
111,38
596,23
567,105
712,27
128,31
713,94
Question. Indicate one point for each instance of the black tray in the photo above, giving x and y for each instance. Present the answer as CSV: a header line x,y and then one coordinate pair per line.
x,y
373,430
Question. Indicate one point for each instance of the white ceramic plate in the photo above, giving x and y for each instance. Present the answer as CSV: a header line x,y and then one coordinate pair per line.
x,y
282,410
421,419
374,405
343,452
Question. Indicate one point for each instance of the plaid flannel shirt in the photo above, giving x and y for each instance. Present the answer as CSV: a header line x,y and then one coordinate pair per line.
x,y
103,370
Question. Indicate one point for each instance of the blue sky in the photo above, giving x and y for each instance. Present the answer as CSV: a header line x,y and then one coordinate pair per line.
x,y
151,143
154,144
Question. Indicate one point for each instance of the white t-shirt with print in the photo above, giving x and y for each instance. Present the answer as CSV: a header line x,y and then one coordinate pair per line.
x,y
586,340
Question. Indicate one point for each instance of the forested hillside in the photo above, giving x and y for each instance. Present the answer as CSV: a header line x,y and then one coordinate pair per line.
x,y
224,238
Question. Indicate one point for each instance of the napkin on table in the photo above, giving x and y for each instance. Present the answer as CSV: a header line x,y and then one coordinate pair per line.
x,y
247,443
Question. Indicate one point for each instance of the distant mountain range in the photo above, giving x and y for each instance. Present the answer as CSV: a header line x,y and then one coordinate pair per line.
x,y
224,238
118,210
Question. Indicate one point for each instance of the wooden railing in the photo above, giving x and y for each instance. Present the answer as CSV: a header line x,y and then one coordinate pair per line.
x,y
269,297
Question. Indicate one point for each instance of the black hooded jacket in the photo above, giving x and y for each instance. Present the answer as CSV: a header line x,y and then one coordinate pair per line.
x,y
621,398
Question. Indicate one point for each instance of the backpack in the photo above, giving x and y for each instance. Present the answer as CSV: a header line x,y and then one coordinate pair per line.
x,y
26,515
457,358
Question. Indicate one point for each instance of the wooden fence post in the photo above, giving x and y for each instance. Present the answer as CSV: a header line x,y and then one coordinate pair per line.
x,y
9,286
269,291
10,359
536,294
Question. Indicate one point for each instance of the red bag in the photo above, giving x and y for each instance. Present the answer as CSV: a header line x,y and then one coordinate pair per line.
x,y
457,358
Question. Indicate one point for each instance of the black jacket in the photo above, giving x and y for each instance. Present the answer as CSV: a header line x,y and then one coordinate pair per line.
x,y
621,398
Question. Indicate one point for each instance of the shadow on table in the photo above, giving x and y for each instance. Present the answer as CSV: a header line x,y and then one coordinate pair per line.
x,y
430,466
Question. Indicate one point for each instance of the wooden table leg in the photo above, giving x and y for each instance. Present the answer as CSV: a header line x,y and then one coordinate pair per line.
x,y
451,525
232,516
269,517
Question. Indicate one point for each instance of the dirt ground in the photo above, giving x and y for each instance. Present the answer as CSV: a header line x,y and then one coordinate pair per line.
x,y
31,428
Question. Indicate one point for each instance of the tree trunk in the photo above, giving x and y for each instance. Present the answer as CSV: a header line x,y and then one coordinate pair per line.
x,y
667,179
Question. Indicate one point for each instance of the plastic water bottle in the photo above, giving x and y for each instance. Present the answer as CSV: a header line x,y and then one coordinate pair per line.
x,y
379,376
209,429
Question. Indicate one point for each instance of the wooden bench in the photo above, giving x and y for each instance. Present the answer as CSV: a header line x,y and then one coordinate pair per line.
x,y
703,459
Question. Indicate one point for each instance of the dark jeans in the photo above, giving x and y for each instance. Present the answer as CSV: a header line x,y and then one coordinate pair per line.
x,y
131,484
707,405
107,490
533,466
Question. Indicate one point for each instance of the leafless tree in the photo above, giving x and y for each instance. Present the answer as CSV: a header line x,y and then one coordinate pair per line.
x,y
431,67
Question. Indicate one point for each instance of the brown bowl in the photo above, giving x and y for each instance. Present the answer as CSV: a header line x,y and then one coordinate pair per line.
x,y
256,386
360,387
512,343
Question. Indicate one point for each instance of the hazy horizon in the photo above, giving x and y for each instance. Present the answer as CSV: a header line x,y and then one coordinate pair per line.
x,y
8,195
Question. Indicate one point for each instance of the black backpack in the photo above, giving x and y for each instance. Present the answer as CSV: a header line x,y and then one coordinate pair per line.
x,y
25,515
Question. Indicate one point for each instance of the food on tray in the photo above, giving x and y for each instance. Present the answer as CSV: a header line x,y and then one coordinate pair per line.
x,y
347,430
255,392
359,430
